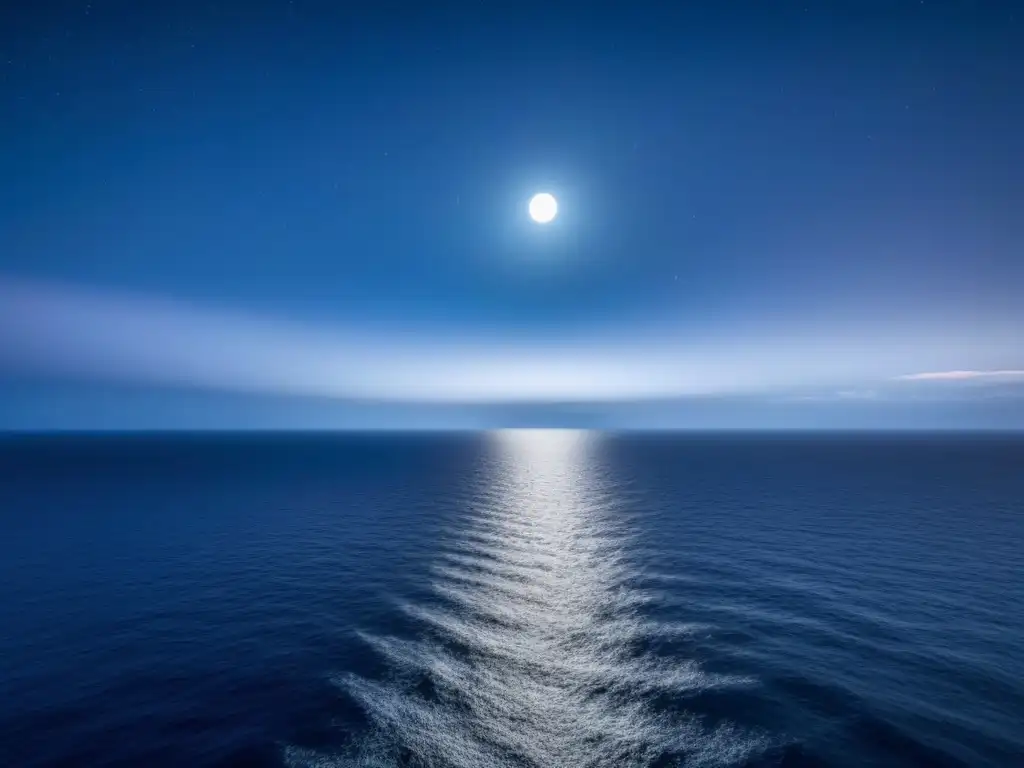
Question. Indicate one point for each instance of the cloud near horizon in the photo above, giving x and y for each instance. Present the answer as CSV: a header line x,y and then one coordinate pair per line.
x,y
60,332
1001,375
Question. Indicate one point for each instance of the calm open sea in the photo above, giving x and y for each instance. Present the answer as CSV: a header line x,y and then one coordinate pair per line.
x,y
522,598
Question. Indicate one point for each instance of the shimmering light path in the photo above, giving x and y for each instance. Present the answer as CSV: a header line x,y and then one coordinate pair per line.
x,y
535,652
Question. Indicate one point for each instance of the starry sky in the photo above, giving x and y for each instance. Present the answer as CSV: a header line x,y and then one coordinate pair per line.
x,y
312,214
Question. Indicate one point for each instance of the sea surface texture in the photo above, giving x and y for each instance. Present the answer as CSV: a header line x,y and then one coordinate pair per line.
x,y
546,599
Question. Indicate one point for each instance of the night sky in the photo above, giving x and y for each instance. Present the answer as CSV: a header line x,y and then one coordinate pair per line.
x,y
313,214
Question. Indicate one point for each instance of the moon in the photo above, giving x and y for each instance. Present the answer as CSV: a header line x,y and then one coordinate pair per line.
x,y
543,207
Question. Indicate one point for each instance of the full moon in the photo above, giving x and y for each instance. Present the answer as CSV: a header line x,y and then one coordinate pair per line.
x,y
543,207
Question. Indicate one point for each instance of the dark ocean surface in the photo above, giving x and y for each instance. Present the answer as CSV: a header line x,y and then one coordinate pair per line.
x,y
548,599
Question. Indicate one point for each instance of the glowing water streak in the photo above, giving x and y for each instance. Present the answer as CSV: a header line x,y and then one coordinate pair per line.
x,y
533,655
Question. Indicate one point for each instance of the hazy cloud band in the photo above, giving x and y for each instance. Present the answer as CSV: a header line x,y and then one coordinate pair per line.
x,y
70,333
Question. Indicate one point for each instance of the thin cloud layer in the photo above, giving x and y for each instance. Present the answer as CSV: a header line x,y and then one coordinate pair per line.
x,y
1005,375
66,333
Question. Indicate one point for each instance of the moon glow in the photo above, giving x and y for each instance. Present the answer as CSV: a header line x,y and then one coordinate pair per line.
x,y
543,207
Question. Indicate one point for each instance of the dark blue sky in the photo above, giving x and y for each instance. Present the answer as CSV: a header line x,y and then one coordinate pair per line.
x,y
789,202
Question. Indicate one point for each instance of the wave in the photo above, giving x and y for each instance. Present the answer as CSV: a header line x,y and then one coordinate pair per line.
x,y
533,650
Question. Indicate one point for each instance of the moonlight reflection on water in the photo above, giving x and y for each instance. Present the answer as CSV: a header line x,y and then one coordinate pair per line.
x,y
534,654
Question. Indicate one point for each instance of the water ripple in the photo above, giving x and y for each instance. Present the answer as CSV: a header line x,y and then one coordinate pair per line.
x,y
534,650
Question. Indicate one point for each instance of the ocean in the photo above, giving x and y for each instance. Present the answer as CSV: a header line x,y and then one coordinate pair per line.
x,y
515,598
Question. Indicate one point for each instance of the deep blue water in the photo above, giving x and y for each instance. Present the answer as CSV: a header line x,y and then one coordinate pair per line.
x,y
512,599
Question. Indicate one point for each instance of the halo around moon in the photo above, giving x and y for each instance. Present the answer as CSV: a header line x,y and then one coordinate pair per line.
x,y
543,207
